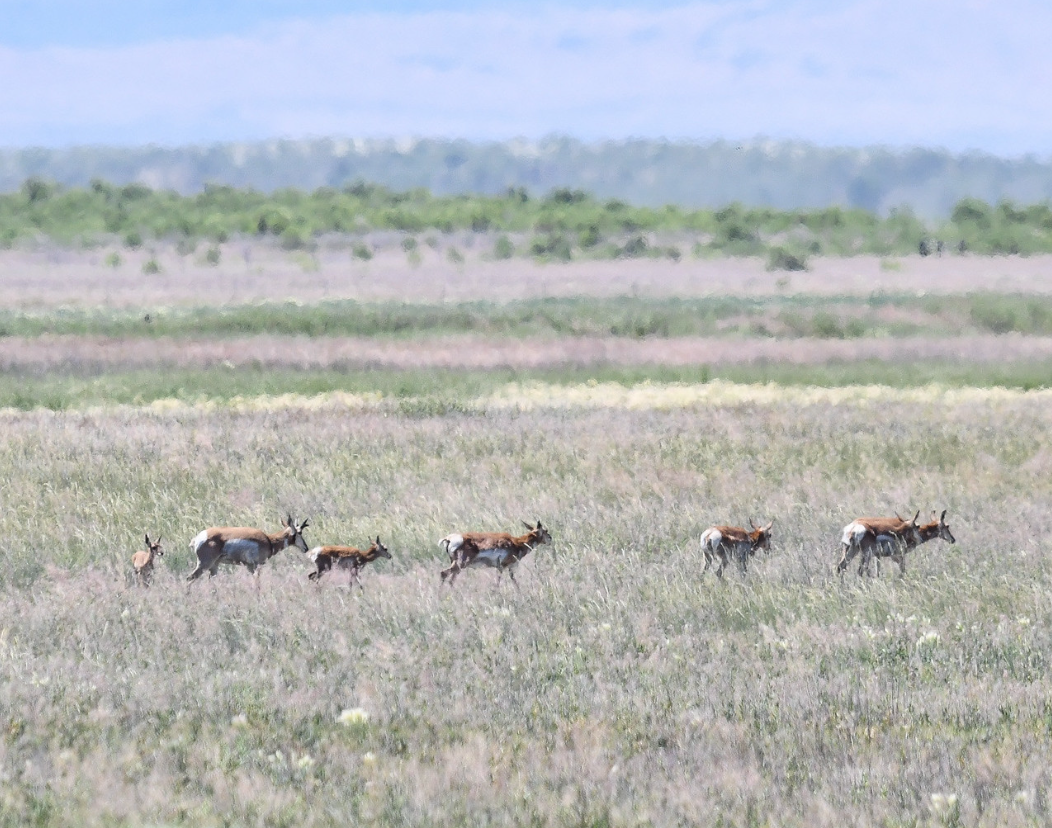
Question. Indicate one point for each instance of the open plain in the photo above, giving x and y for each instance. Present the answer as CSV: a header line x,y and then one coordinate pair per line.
x,y
616,685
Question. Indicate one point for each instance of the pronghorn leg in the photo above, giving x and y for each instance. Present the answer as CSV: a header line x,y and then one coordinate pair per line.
x,y
849,553
511,574
450,573
354,574
708,559
901,558
723,563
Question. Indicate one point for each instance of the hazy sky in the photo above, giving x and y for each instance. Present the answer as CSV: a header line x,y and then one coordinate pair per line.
x,y
961,74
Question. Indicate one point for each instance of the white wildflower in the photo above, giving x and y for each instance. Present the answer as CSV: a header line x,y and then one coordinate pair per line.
x,y
353,716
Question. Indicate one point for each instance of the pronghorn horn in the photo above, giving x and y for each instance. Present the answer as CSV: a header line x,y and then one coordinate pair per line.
x,y
899,517
917,515
531,528
943,518
378,541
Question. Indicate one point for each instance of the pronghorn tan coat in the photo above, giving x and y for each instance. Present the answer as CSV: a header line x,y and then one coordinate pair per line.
x,y
500,550
142,561
234,545
725,542
890,544
350,558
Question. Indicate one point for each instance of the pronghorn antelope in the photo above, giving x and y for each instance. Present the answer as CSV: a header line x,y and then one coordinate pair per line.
x,y
880,537
241,545
724,542
345,557
497,549
889,547
142,562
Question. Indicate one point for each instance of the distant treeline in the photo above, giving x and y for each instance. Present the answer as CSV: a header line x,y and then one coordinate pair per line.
x,y
564,224
784,175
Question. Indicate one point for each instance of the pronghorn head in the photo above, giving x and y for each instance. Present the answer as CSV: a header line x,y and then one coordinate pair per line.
x,y
294,535
760,537
942,528
154,547
379,550
538,534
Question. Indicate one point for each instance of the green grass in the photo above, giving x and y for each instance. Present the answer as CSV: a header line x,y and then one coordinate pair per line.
x,y
427,389
836,317
617,685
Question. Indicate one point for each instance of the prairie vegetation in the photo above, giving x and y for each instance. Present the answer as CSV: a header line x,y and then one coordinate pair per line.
x,y
565,224
615,686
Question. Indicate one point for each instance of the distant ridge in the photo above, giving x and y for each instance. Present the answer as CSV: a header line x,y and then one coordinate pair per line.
x,y
783,175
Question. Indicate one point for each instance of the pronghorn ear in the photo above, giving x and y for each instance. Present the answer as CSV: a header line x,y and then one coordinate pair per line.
x,y
914,521
147,539
767,528
378,541
531,528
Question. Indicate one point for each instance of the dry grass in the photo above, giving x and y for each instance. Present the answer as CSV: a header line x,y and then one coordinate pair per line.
x,y
616,687
252,272
81,353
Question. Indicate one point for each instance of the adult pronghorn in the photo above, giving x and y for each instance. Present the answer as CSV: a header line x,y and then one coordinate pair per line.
x,y
881,537
724,542
345,557
242,545
889,546
142,562
500,550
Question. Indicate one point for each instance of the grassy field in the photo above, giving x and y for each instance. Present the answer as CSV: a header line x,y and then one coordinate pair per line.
x,y
617,685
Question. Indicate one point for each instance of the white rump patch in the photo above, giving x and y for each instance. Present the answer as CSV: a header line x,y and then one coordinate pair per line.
x,y
199,540
711,538
853,534
314,553
453,543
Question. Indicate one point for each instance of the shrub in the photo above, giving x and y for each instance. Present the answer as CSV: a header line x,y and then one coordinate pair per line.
x,y
133,240
151,266
634,248
212,256
503,248
781,259
360,251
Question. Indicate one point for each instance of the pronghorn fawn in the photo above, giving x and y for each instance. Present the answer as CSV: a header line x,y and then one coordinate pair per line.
x,y
725,542
500,550
345,557
142,562
242,545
